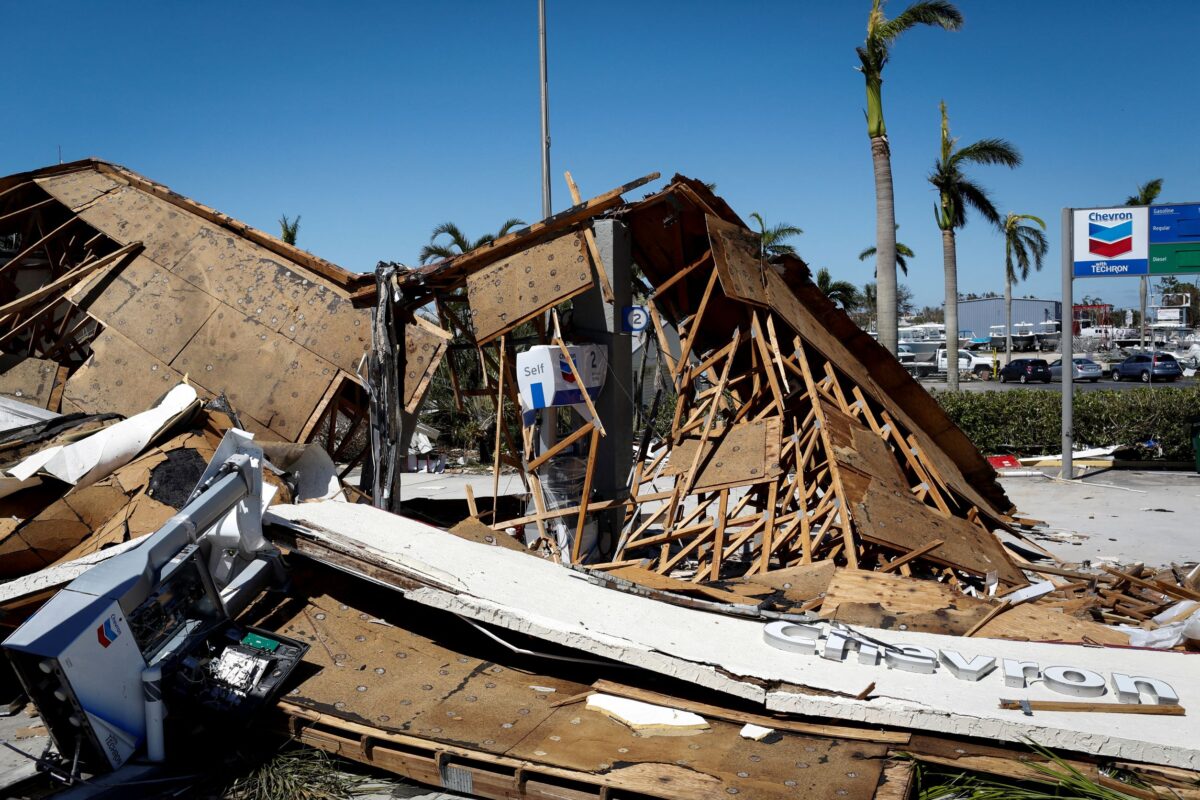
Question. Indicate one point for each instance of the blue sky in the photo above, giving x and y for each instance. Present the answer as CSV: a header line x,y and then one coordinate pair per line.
x,y
378,120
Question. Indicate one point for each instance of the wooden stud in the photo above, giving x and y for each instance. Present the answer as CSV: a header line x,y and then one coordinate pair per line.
x,y
587,491
590,238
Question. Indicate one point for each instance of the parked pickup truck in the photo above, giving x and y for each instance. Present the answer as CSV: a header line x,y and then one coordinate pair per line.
x,y
981,365
908,360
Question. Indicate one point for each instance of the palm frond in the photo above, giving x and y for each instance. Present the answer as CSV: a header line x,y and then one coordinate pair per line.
x,y
455,234
870,251
977,197
434,252
783,231
990,151
509,225
936,13
1147,193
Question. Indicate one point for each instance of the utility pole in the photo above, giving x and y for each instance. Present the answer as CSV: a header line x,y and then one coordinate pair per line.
x,y
545,111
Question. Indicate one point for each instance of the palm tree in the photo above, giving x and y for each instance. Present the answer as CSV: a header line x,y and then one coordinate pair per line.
x,y
881,35
1147,193
903,252
955,192
289,228
843,293
1027,245
457,242
772,241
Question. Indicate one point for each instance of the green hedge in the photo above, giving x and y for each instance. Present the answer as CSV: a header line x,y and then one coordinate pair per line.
x,y
1028,421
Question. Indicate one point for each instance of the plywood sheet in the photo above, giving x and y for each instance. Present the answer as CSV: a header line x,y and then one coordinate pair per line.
x,y
424,346
119,377
739,455
77,189
735,250
518,287
366,669
155,309
885,511
263,373
799,583
330,326
716,762
893,602
239,273
128,215
29,380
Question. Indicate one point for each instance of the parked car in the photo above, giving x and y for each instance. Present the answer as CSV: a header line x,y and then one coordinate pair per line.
x,y
981,365
1148,366
1025,370
1084,369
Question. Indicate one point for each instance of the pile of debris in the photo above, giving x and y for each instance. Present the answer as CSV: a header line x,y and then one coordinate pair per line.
x,y
802,461
808,579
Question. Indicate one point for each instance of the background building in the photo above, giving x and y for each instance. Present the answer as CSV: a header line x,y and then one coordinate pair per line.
x,y
980,315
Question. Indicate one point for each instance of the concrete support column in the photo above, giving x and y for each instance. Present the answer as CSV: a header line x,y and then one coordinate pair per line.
x,y
600,322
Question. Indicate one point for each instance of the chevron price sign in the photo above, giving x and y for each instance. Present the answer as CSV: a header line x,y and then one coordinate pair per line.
x,y
1111,242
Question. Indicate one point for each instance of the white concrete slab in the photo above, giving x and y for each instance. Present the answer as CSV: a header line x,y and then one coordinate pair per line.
x,y
519,592
1115,516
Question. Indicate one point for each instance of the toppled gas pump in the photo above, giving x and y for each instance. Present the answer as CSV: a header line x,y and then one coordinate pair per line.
x,y
152,630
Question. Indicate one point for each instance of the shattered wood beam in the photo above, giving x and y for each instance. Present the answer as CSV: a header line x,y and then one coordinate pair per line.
x,y
593,451
561,445
768,534
589,237
912,554
835,477
15,261
719,537
693,328
27,209
499,428
689,478
680,275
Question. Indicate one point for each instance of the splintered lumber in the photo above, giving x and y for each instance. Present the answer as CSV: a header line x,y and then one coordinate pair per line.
x,y
590,238
1099,708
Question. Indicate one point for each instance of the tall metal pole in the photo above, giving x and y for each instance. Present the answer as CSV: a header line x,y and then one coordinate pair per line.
x,y
1068,345
545,111
1142,285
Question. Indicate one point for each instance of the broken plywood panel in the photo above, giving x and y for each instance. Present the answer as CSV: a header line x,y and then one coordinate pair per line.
x,y
734,249
799,583
424,346
522,285
885,510
893,602
267,376
741,454
76,189
29,380
120,377
153,308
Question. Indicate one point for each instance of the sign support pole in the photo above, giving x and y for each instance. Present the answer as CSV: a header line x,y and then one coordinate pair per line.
x,y
1067,339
